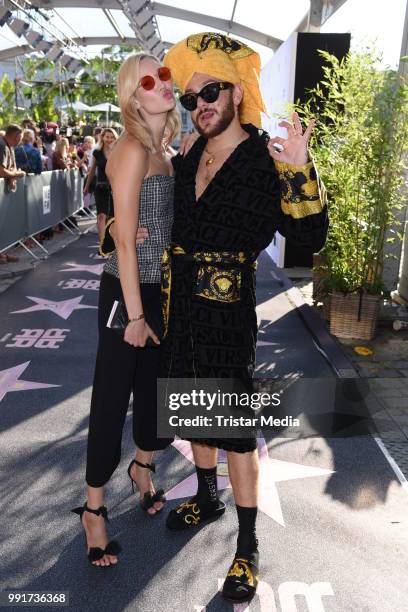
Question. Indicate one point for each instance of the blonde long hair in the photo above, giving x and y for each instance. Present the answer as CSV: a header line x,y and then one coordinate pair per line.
x,y
133,121
61,146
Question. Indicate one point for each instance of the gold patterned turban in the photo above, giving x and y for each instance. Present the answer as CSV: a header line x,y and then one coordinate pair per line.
x,y
224,58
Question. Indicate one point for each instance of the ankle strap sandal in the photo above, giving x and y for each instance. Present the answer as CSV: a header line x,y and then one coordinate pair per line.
x,y
148,499
96,553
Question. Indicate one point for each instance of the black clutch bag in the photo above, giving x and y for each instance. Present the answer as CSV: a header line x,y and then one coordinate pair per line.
x,y
118,320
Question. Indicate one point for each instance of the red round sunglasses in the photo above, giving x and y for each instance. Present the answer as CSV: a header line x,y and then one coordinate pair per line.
x,y
148,81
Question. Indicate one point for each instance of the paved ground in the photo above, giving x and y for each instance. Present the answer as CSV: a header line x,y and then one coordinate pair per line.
x,y
333,512
386,369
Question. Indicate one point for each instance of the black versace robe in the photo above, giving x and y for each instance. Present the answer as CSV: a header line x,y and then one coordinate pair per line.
x,y
212,325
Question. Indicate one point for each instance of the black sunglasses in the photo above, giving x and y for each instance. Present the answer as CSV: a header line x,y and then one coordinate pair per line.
x,y
209,93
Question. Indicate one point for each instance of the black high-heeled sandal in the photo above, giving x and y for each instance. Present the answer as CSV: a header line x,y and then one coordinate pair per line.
x,y
95,552
148,500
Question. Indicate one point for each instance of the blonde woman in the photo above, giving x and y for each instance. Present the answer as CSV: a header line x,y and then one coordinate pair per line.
x,y
141,175
60,160
103,192
28,157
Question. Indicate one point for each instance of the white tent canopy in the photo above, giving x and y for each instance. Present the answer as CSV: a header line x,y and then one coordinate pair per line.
x,y
81,27
79,107
105,107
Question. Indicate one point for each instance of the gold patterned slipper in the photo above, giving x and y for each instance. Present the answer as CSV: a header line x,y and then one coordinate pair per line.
x,y
242,578
189,514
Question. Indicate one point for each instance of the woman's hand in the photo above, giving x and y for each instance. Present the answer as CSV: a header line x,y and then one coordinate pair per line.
x,y
187,142
137,333
294,147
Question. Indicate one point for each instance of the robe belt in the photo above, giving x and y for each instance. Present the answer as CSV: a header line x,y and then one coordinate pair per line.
x,y
218,275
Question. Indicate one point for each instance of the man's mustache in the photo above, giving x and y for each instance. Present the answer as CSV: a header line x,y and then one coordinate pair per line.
x,y
206,110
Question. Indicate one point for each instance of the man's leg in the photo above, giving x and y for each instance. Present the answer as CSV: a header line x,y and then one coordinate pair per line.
x,y
205,459
205,505
243,471
242,578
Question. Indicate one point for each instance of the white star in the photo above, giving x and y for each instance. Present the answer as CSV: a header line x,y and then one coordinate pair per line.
x,y
9,381
271,471
96,269
62,308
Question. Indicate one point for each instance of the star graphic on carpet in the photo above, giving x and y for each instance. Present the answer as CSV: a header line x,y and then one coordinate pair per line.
x,y
96,269
62,308
271,471
10,380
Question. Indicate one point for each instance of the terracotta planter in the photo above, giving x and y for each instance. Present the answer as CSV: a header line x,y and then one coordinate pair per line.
x,y
354,316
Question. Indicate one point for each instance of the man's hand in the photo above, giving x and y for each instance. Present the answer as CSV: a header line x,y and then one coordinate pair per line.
x,y
19,173
137,333
294,147
142,233
187,142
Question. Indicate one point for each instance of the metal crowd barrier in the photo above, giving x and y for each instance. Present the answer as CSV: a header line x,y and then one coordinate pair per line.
x,y
40,202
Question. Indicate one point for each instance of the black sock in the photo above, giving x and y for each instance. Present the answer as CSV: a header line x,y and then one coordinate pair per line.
x,y
247,541
207,493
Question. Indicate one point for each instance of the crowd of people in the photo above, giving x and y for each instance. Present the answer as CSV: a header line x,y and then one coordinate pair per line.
x,y
33,148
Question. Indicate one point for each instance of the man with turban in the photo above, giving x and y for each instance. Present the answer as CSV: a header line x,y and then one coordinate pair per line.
x,y
233,190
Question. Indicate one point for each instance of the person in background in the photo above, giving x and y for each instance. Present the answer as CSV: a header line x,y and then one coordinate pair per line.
x,y
60,159
103,192
73,147
96,134
85,155
38,144
8,167
28,124
28,157
85,151
50,141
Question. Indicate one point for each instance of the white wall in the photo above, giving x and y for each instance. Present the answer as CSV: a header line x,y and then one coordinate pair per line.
x,y
278,85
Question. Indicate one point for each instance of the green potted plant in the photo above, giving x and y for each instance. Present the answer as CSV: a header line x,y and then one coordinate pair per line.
x,y
360,146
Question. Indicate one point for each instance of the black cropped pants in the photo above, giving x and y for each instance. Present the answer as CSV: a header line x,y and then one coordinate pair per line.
x,y
120,370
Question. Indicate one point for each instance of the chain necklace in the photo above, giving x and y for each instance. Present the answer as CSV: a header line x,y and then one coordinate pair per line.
x,y
208,176
212,156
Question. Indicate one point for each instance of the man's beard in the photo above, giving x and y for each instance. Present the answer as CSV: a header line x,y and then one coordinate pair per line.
x,y
225,118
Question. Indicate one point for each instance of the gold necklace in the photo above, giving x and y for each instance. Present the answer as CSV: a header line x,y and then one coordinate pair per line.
x,y
212,156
